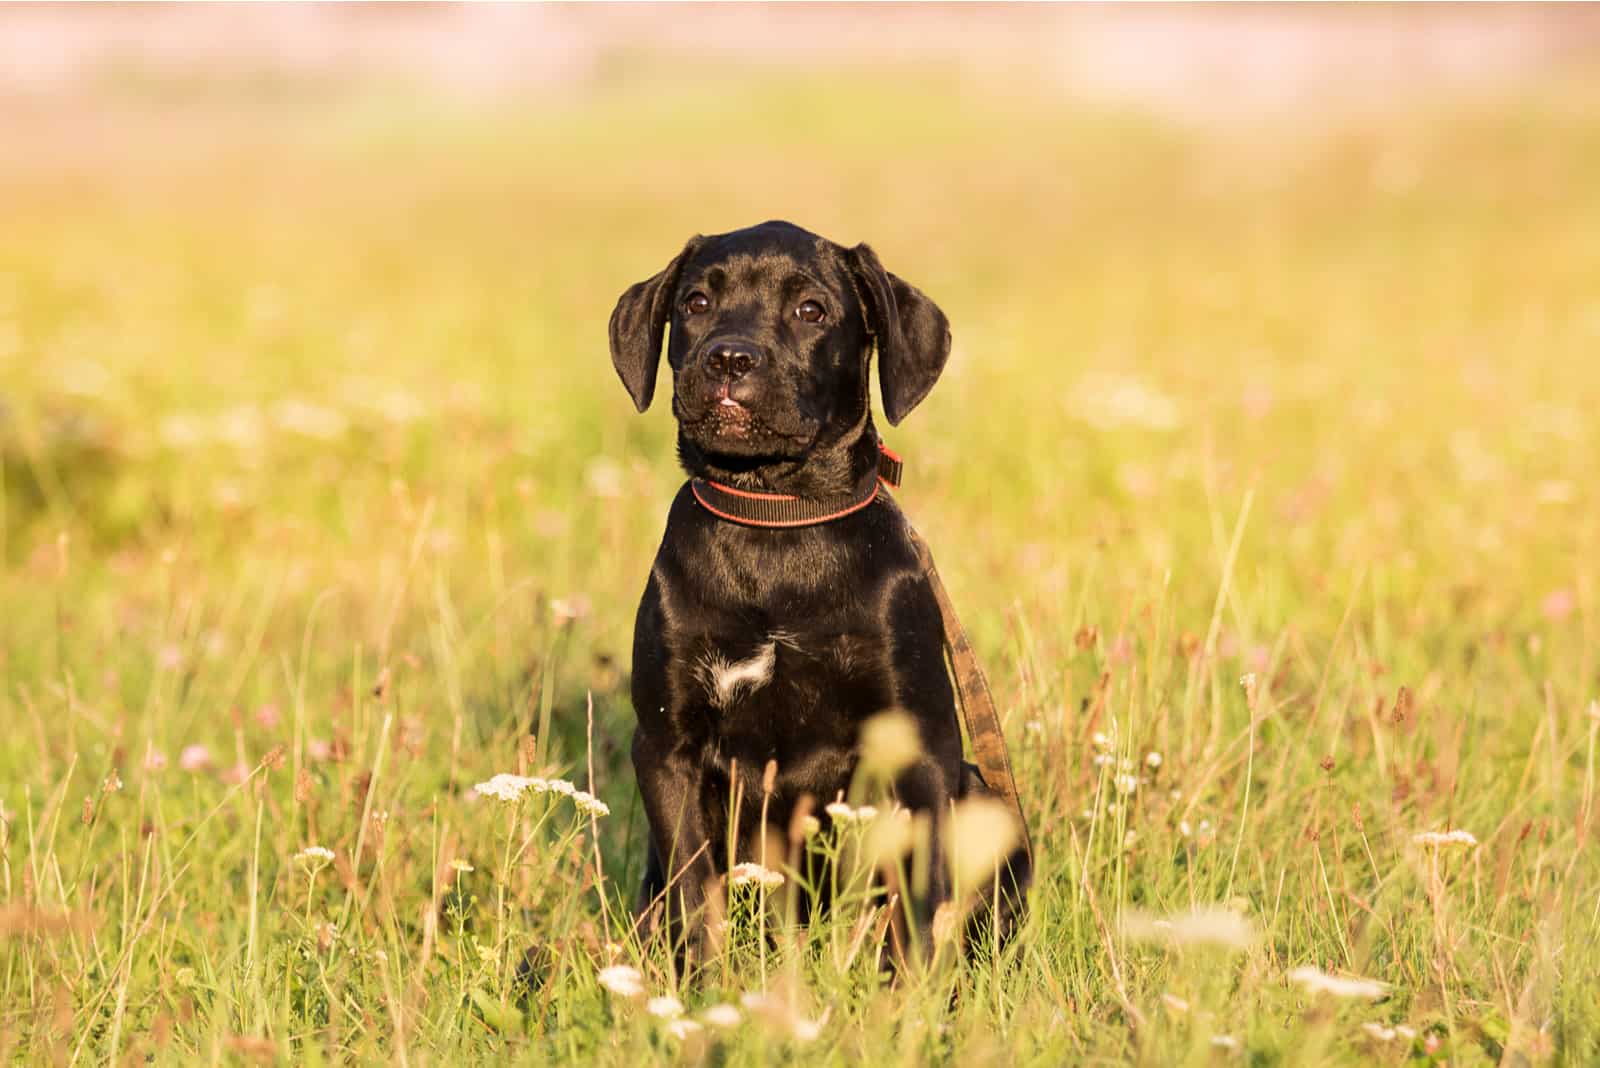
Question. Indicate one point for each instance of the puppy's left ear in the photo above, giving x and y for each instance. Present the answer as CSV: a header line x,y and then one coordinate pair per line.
x,y
912,334
638,322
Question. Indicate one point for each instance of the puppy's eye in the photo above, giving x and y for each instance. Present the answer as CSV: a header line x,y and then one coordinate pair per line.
x,y
810,311
697,303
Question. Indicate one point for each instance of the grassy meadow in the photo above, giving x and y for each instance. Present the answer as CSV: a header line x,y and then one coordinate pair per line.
x,y
1263,474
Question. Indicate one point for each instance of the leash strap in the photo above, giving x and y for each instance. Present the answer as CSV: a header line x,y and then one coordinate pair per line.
x,y
977,703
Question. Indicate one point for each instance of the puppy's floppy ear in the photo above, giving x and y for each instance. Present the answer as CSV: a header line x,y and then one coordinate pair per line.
x,y
912,334
637,323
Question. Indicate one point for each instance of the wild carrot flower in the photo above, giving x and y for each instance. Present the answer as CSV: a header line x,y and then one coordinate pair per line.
x,y
682,1029
666,1006
1319,982
723,1015
506,787
752,874
1204,926
622,980
844,815
782,1017
1127,784
460,867
314,856
1152,760
589,804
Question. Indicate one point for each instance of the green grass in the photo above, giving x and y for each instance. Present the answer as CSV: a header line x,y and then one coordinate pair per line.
x,y
312,451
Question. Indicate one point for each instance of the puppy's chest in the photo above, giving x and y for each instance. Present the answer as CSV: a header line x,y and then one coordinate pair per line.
x,y
758,679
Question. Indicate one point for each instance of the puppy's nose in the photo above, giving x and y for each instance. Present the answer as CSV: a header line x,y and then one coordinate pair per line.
x,y
732,358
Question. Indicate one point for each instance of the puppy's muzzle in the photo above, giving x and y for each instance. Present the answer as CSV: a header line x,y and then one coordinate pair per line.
x,y
726,366
731,358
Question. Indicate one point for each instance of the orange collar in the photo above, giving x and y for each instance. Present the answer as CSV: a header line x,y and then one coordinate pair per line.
x,y
779,510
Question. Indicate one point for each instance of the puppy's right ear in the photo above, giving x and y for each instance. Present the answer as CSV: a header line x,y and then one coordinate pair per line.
x,y
637,323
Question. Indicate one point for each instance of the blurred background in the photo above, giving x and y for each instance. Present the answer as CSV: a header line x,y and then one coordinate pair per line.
x,y
292,297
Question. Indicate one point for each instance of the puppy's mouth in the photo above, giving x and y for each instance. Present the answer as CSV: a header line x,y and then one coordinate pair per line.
x,y
729,418
727,427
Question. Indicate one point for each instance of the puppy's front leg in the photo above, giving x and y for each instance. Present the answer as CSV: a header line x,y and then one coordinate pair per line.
x,y
924,787
672,785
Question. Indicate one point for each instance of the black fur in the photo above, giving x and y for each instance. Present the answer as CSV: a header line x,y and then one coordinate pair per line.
x,y
766,400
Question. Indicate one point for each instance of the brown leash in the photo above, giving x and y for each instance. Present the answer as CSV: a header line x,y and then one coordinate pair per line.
x,y
977,703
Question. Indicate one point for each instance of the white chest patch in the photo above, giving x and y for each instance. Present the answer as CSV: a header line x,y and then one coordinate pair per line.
x,y
725,680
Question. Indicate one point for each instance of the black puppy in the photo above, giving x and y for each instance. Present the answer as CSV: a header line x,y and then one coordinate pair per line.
x,y
787,605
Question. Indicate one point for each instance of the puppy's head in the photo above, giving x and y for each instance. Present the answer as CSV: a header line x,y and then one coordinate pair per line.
x,y
769,333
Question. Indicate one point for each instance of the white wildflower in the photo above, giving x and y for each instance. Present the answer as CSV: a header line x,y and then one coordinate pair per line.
x,y
666,1006
561,786
1152,759
590,804
1175,1004
1319,982
1204,926
1378,1031
310,420
505,786
1128,840
194,758
1445,838
1127,784
1110,401
1224,1042
604,477
752,874
1101,740
1407,1033
1104,760
460,866
804,1030
844,815
810,825
682,1029
622,980
723,1015
315,856
1184,828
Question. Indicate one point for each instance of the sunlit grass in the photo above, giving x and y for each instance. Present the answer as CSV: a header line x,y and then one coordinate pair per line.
x,y
1263,476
